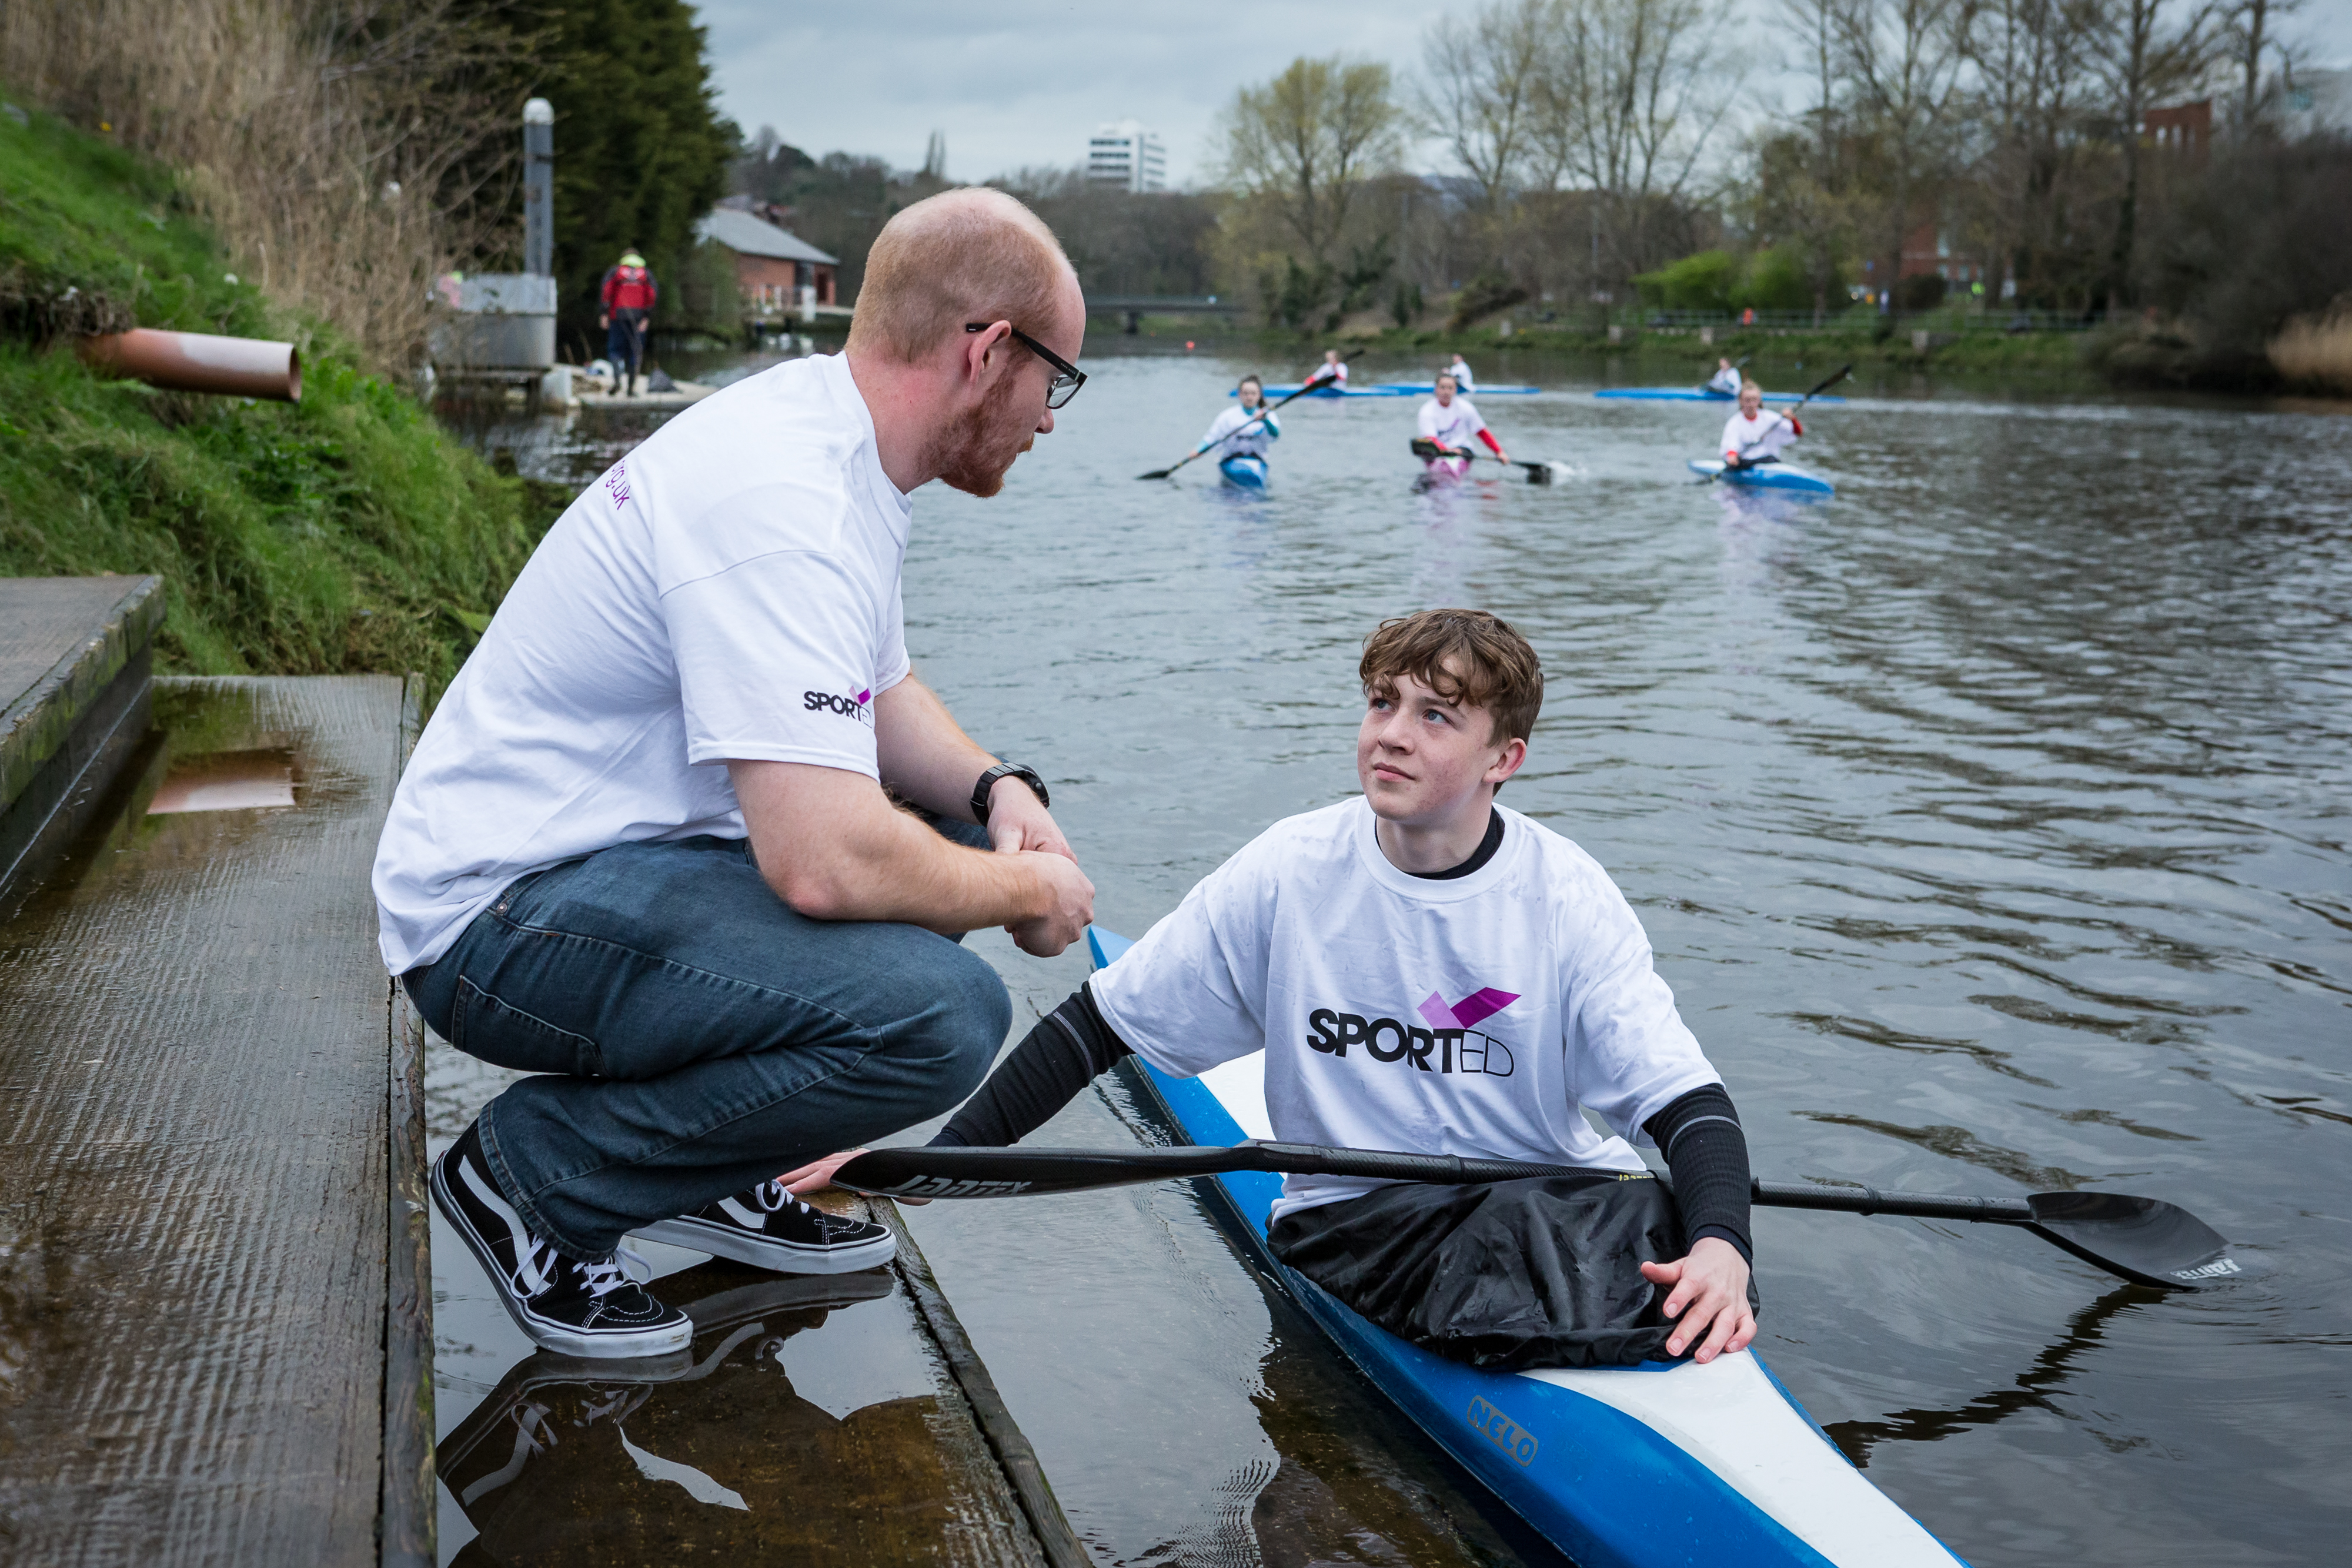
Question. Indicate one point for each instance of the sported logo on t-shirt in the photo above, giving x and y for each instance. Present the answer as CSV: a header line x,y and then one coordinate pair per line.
x,y
848,707
1457,1046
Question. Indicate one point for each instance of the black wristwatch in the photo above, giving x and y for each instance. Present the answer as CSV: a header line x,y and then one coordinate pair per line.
x,y
1005,770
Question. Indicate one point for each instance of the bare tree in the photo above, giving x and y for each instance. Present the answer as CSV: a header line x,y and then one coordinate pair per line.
x,y
2033,83
1307,141
2148,50
1904,62
1484,78
2253,33
1632,91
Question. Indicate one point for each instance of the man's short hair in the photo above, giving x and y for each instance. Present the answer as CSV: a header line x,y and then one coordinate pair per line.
x,y
1450,376
967,255
1492,665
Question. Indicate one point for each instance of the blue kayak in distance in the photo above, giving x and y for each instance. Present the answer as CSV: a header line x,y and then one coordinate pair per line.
x,y
1765,476
1657,1466
1243,471
1413,389
1698,395
1284,389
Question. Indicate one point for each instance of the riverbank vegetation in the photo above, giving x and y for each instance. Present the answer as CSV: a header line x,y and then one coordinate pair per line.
x,y
346,533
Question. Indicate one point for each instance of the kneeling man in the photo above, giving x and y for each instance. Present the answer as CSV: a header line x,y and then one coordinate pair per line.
x,y
645,852
1423,901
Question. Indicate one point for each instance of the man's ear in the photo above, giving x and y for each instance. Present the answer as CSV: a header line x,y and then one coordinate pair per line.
x,y
1515,752
980,350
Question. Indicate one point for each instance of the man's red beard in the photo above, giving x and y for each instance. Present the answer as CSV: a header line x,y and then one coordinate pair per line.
x,y
981,444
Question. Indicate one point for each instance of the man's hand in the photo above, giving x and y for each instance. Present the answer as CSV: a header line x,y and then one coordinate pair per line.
x,y
1710,1297
816,1175
1018,820
1074,904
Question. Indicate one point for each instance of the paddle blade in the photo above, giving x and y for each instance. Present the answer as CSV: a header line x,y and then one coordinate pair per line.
x,y
2141,1238
1157,474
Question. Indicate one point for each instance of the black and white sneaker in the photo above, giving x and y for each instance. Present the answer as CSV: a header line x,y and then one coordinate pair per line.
x,y
768,1228
582,1309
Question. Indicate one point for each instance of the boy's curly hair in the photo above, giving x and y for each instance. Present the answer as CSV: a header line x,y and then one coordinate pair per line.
x,y
1494,667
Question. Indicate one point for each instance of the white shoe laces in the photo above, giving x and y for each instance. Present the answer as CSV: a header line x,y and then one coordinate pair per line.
x,y
771,1197
535,1270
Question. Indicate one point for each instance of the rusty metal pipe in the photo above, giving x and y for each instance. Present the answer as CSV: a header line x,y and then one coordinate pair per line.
x,y
198,361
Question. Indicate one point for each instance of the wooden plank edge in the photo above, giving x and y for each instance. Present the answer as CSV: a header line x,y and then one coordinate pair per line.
x,y
37,724
1014,1457
406,1535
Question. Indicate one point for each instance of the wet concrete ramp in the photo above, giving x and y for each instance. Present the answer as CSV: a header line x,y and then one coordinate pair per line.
x,y
209,1265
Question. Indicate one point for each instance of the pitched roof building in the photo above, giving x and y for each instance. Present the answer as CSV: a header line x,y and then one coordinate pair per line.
x,y
771,265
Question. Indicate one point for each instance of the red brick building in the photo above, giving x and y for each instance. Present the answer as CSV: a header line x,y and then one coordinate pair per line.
x,y
2184,129
771,265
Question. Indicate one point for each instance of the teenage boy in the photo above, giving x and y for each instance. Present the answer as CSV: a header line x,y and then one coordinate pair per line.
x,y
1424,899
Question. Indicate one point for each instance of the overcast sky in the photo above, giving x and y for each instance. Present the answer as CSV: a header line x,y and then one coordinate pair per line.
x,y
1020,82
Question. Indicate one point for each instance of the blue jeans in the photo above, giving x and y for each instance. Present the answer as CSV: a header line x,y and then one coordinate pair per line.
x,y
694,1036
624,341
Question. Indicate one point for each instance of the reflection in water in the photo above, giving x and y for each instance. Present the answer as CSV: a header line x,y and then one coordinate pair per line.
x,y
2031,1391
228,781
715,1453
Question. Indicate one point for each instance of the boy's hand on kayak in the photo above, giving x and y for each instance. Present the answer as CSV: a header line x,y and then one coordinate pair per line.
x,y
816,1175
1709,1298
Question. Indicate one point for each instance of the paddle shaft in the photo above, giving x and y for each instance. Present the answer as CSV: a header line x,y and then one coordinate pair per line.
x,y
1789,415
1441,450
1870,1200
1312,382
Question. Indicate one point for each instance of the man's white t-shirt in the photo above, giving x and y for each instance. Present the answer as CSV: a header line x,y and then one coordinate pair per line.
x,y
1450,425
1473,1016
1754,439
728,590
1262,432
1462,379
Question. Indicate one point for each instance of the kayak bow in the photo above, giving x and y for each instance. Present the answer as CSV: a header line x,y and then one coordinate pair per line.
x,y
1620,1468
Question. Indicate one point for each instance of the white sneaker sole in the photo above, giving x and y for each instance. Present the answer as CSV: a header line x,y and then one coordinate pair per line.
x,y
778,1257
615,1346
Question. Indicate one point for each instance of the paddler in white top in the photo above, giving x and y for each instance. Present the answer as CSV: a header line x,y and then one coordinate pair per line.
x,y
1751,436
1427,971
1244,430
1460,371
1334,368
1726,378
1449,420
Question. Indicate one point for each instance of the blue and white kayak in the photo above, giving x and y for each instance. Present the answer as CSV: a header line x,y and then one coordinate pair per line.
x,y
1699,394
1282,390
1411,388
1662,1464
1765,476
1245,470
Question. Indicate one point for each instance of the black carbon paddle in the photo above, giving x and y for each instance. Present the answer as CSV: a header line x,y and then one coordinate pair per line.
x,y
1312,382
2138,1238
1537,473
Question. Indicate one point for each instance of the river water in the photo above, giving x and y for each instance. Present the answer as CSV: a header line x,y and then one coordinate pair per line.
x,y
1990,821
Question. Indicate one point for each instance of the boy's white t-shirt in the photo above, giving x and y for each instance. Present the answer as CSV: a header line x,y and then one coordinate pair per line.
x,y
1450,423
1473,1016
728,589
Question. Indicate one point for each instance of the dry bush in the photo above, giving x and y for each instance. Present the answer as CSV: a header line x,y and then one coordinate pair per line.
x,y
2316,350
329,143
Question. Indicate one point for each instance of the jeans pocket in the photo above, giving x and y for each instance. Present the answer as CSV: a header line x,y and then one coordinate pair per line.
x,y
483,1026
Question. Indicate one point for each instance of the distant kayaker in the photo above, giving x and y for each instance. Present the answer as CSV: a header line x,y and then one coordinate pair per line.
x,y
629,294
1751,436
1247,428
1449,420
686,839
1460,371
1725,380
1333,370
1429,972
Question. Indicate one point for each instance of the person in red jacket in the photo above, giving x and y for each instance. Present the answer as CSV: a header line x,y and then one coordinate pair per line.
x,y
627,295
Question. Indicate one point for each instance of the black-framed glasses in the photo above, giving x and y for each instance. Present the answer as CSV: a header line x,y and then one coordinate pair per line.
x,y
1068,377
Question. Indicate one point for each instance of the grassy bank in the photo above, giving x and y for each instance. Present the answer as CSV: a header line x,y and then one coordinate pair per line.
x,y
346,533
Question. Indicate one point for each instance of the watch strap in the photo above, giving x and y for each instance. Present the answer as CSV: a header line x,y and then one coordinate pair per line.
x,y
980,791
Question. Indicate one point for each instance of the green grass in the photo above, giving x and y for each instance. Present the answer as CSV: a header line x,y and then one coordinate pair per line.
x,y
346,533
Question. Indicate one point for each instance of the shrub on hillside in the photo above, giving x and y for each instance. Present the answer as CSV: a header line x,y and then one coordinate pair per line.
x,y
1700,282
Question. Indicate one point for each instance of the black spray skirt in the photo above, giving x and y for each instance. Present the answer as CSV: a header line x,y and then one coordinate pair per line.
x,y
1543,1272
